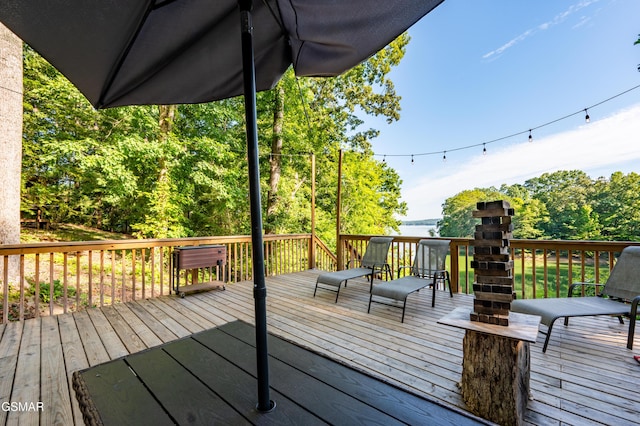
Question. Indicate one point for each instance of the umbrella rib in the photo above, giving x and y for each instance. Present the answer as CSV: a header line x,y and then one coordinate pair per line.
x,y
123,55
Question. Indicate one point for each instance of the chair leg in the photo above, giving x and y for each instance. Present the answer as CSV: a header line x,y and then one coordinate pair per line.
x,y
338,292
316,289
433,297
546,340
446,273
404,307
632,322
370,298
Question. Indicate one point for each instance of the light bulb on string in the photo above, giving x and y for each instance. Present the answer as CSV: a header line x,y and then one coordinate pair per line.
x,y
444,156
384,159
411,159
587,119
484,149
530,137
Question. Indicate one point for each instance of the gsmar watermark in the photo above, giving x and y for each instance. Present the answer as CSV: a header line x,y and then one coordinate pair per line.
x,y
22,406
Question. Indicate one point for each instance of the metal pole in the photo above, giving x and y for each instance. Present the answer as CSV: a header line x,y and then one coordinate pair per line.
x,y
338,218
312,245
259,286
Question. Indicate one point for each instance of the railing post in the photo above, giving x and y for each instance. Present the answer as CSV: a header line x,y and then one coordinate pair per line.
x,y
339,253
454,274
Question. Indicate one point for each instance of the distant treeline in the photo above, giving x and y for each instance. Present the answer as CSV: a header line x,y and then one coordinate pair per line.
x,y
423,222
563,205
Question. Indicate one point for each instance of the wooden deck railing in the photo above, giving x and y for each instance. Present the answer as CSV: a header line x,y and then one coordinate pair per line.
x,y
61,277
542,268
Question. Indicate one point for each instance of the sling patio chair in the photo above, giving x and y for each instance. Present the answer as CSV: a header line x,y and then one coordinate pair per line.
x,y
374,261
619,297
427,270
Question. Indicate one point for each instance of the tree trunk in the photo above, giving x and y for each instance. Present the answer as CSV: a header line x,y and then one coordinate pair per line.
x,y
159,218
275,159
495,377
10,142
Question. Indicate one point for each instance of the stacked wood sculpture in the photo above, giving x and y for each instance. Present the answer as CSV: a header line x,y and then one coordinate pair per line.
x,y
495,367
493,286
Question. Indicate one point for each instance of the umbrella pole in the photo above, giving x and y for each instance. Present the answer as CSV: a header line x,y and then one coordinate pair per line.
x,y
259,286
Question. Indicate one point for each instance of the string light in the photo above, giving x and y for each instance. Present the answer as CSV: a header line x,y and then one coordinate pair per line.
x,y
412,159
530,131
484,149
384,159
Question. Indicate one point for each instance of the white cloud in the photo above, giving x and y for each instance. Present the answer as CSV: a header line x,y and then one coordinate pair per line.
x,y
601,146
558,19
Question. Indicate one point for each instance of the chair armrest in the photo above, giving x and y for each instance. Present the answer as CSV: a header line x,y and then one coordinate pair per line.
x,y
401,268
574,285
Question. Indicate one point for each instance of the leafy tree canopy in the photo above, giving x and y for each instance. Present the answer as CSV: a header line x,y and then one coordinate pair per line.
x,y
566,205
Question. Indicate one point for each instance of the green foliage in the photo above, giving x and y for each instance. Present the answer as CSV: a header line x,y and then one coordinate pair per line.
x,y
58,291
457,220
565,205
160,171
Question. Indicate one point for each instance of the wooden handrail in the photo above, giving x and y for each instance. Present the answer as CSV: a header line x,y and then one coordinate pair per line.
x,y
543,268
70,275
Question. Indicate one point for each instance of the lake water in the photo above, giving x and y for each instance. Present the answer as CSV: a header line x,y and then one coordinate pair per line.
x,y
416,230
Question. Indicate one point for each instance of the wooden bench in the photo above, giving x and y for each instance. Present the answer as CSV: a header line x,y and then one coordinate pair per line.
x,y
195,258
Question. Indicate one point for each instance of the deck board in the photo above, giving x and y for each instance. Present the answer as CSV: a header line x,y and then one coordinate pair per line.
x,y
9,347
26,386
55,392
587,376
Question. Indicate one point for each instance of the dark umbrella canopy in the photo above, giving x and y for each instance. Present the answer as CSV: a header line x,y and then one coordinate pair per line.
x,y
141,52
132,52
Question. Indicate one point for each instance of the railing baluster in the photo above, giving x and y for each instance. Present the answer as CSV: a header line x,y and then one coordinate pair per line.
x,y
133,275
5,289
78,289
113,277
101,278
51,284
123,265
143,253
22,301
152,259
65,282
533,271
545,254
90,290
558,282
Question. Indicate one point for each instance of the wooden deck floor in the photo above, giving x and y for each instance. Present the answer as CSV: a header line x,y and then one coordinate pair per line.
x,y
586,377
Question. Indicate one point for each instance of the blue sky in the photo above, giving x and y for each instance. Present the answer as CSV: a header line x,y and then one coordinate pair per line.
x,y
480,70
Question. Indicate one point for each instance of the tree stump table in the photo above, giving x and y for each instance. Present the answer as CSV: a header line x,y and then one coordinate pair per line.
x,y
495,365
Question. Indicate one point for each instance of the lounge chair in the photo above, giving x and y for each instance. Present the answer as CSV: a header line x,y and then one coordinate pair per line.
x,y
374,261
619,297
428,268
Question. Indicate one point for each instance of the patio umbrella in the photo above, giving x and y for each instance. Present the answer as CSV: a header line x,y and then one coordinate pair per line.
x,y
141,52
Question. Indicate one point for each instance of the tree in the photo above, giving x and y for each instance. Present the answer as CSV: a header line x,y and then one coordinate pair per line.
x,y
321,116
617,204
457,219
10,140
530,213
566,195
182,170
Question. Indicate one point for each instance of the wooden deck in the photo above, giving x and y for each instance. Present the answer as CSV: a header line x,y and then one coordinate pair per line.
x,y
586,377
